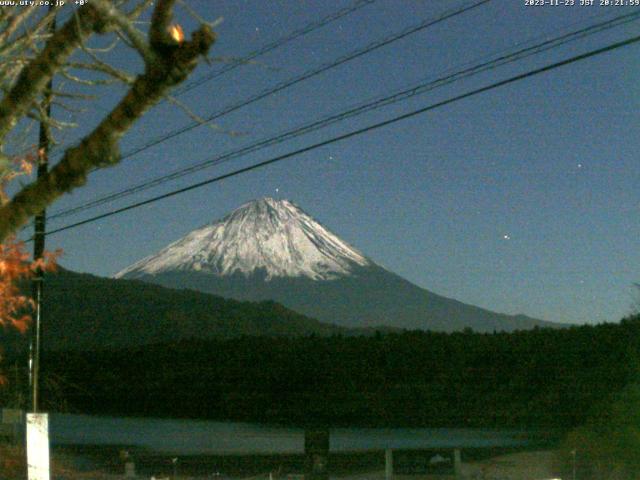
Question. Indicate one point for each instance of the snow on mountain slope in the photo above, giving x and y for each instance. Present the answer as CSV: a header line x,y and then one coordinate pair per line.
x,y
274,236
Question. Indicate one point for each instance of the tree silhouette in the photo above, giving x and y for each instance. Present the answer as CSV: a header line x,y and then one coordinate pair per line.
x,y
32,51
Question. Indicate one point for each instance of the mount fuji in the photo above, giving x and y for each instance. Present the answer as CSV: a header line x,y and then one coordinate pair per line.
x,y
272,250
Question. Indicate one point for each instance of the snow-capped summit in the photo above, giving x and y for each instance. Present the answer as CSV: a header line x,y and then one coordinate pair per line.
x,y
266,235
271,250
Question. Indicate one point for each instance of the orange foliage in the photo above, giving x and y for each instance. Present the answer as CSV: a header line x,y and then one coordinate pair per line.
x,y
15,267
21,166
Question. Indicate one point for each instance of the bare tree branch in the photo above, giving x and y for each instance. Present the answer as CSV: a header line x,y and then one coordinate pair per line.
x,y
160,21
197,118
199,18
68,108
107,49
14,23
135,37
103,67
140,7
34,77
173,63
85,81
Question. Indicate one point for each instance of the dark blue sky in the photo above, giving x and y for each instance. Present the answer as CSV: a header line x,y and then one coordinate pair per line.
x,y
524,199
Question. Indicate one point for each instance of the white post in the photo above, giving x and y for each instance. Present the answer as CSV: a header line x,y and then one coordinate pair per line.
x,y
129,469
388,464
38,446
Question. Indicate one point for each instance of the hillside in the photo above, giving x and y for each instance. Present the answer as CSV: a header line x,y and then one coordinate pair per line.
x,y
86,312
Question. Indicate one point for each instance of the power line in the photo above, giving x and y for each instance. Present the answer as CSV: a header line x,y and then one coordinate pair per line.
x,y
310,27
304,76
368,106
309,74
305,30
276,44
360,131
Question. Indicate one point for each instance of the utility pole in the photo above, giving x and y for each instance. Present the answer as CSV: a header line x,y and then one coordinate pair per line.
x,y
37,424
39,236
316,449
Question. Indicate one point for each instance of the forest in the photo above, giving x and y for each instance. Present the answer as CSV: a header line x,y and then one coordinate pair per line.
x,y
541,378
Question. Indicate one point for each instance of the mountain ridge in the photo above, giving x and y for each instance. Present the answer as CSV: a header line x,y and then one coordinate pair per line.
x,y
370,298
275,251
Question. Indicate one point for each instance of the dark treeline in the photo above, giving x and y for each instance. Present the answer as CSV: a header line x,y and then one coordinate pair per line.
x,y
539,378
